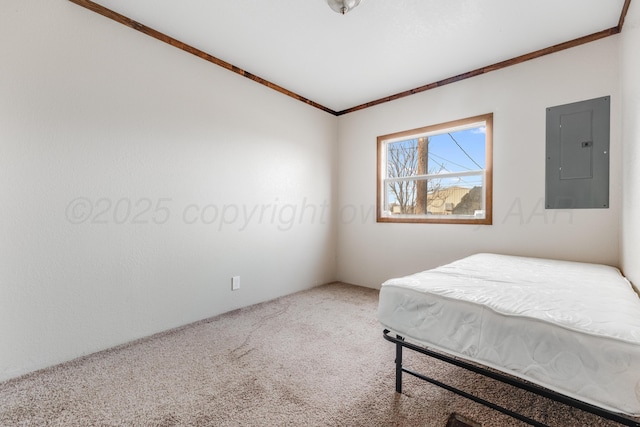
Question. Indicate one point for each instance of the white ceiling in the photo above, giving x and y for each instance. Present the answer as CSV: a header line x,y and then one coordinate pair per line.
x,y
381,48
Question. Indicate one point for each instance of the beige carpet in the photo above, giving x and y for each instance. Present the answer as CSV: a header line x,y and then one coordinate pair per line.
x,y
315,358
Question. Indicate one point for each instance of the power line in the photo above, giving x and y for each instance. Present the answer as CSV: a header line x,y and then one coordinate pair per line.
x,y
448,161
442,165
462,149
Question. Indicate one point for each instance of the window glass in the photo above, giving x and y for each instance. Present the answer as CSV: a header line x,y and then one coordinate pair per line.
x,y
440,173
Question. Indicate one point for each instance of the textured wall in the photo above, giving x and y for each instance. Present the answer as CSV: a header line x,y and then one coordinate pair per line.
x,y
369,253
630,70
136,179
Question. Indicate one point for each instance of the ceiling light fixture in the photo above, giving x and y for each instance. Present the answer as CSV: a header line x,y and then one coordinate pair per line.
x,y
343,6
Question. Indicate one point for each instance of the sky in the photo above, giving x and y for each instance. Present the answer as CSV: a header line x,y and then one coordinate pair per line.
x,y
458,151
465,155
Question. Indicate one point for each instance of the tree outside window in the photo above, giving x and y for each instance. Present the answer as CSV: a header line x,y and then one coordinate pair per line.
x,y
439,173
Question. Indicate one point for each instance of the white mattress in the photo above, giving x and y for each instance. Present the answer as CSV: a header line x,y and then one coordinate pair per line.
x,y
568,326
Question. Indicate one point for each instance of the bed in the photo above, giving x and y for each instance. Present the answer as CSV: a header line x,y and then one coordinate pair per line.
x,y
569,331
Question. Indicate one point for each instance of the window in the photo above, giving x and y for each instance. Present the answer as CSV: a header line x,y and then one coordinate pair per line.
x,y
437,174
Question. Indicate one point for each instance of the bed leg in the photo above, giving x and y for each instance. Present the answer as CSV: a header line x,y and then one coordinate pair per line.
x,y
399,365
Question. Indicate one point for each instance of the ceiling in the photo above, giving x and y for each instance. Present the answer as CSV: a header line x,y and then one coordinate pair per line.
x,y
380,49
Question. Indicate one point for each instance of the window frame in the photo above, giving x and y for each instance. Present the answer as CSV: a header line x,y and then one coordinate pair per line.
x,y
420,132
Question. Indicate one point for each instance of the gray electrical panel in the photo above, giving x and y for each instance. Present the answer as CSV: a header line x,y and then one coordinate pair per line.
x,y
577,155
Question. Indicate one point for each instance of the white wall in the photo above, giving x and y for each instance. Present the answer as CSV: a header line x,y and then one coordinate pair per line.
x,y
369,253
96,118
630,70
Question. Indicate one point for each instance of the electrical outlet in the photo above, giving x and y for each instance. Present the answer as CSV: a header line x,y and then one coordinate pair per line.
x,y
235,283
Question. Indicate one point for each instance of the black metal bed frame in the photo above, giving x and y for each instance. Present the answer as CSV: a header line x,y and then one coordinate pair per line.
x,y
541,391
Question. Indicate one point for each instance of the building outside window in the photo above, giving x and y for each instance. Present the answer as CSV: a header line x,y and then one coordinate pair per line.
x,y
437,174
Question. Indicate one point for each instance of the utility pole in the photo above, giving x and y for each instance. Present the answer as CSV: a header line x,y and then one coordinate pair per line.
x,y
422,185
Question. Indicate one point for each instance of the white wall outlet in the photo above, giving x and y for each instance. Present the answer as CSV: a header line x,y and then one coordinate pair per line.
x,y
235,283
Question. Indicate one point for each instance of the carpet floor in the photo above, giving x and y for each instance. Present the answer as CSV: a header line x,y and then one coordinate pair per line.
x,y
314,358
